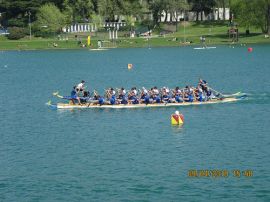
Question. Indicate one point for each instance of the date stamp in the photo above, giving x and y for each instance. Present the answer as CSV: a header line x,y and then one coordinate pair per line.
x,y
216,173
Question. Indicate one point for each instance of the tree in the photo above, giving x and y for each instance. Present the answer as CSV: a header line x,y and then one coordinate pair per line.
x,y
177,7
50,19
97,20
202,6
252,13
78,10
15,9
222,4
157,7
130,22
109,8
132,7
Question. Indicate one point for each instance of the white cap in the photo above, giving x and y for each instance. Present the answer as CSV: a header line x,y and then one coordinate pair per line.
x,y
177,112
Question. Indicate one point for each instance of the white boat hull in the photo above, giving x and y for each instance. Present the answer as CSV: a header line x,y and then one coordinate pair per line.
x,y
128,106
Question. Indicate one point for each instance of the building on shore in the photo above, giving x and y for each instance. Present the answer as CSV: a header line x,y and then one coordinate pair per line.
x,y
217,14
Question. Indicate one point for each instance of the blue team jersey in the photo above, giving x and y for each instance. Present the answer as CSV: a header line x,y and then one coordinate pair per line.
x,y
73,94
190,98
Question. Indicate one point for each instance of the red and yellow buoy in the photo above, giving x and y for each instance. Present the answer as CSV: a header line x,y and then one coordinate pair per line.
x,y
177,118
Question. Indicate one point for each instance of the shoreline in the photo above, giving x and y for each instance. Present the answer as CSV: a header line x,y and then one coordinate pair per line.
x,y
36,45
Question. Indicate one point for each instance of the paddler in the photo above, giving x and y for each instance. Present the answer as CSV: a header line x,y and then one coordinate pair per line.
x,y
112,97
155,95
145,98
85,97
95,98
166,95
199,94
74,95
122,96
209,94
101,100
203,84
178,96
122,93
132,96
80,86
188,94
189,97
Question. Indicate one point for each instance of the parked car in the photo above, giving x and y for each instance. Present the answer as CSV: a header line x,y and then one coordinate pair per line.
x,y
4,32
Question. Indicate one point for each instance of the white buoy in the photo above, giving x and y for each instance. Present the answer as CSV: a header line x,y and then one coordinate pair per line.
x,y
130,66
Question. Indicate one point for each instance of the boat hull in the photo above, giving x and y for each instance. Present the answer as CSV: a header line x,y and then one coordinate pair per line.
x,y
128,106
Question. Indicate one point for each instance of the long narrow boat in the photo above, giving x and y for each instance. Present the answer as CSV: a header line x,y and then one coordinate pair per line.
x,y
123,106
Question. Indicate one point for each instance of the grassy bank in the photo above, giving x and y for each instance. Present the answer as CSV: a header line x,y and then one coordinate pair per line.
x,y
215,33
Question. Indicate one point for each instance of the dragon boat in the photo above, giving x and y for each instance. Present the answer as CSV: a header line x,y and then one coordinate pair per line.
x,y
90,105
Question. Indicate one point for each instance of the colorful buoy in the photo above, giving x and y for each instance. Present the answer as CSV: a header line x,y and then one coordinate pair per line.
x,y
250,49
177,118
130,66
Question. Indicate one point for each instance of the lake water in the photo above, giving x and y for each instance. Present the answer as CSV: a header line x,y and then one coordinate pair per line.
x,y
134,154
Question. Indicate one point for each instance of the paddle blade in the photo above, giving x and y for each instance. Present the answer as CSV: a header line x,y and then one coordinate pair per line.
x,y
55,93
49,102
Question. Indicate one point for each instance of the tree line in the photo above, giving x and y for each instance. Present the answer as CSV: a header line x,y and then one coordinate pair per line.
x,y
51,15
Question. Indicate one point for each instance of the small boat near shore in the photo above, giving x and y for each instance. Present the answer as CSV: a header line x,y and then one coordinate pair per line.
x,y
98,49
207,47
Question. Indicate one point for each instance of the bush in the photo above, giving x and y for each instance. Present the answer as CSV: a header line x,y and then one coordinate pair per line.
x,y
16,22
16,33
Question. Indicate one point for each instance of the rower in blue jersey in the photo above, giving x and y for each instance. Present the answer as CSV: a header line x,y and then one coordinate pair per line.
x,y
95,98
101,100
74,96
132,96
166,95
188,97
121,93
178,96
122,99
112,97
155,95
144,92
145,98
200,97
199,94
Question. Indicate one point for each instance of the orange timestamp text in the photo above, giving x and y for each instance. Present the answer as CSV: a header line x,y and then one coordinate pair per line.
x,y
220,173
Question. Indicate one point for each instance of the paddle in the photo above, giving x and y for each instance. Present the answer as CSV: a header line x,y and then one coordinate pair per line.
x,y
49,103
238,94
218,93
57,95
